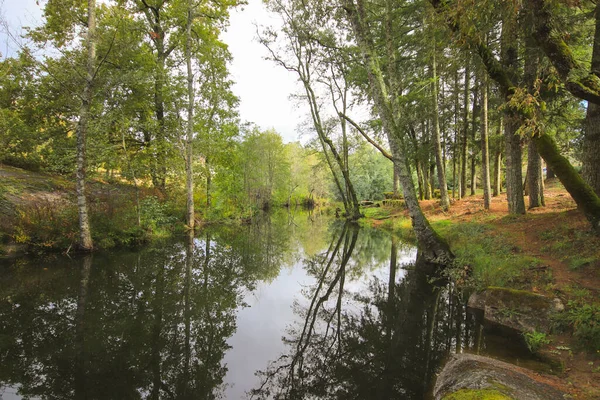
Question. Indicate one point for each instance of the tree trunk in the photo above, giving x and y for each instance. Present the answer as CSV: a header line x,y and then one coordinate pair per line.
x,y
396,189
420,180
432,179
534,178
208,184
473,134
85,235
463,165
189,172
497,172
485,153
591,134
591,147
435,249
426,182
583,194
351,201
534,163
441,173
455,162
514,173
512,122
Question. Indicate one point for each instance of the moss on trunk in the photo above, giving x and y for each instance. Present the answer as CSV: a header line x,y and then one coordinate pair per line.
x,y
582,193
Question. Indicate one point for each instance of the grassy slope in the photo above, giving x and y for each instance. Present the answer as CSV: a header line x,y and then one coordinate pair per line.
x,y
38,213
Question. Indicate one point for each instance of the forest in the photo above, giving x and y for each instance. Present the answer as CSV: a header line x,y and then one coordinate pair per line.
x,y
412,99
440,197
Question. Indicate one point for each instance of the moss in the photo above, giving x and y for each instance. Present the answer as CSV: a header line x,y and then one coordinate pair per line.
x,y
519,299
581,192
477,394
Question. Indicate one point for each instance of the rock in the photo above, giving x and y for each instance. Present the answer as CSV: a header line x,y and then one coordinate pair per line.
x,y
516,309
468,376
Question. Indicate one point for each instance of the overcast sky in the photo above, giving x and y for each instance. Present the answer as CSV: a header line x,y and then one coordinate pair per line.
x,y
263,87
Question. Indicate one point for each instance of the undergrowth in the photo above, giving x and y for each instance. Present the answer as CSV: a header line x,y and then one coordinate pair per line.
x,y
582,319
491,258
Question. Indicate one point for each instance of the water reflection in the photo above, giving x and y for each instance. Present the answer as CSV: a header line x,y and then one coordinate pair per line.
x,y
382,341
364,321
152,324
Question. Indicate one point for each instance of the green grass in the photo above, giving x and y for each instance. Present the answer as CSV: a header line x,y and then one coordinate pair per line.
x,y
580,262
377,213
493,260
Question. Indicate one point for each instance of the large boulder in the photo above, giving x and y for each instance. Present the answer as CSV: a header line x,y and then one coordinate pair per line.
x,y
516,309
468,376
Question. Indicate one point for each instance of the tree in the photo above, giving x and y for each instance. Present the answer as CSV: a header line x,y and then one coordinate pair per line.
x,y
445,201
583,85
189,153
82,127
485,153
384,97
297,56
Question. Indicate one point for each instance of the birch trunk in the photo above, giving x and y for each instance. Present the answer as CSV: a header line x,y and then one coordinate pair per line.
x,y
189,172
85,236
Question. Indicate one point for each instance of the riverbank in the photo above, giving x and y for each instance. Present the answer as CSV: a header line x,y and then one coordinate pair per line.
x,y
550,251
38,213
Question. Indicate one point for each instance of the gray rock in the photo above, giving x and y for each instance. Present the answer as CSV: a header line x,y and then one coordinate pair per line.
x,y
472,372
516,309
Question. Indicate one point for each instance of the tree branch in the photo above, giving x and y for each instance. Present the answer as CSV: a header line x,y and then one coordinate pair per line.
x,y
364,134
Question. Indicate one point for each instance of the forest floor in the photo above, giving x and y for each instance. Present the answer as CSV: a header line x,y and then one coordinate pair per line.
x,y
550,250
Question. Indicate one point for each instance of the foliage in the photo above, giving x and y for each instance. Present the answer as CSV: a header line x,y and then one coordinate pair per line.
x,y
535,340
154,214
371,173
583,318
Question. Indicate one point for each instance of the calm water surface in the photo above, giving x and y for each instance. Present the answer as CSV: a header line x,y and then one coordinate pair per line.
x,y
291,306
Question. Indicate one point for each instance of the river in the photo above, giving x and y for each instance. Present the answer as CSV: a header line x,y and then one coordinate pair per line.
x,y
293,305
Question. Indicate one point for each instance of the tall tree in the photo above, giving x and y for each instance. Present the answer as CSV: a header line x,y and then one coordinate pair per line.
x,y
301,50
189,166
463,140
512,122
85,235
441,171
163,35
385,101
485,152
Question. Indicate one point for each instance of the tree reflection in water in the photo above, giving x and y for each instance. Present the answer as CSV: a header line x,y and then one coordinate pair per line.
x,y
385,342
155,324
152,324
